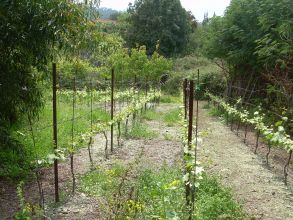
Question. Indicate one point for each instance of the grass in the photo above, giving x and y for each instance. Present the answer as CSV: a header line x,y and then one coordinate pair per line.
x,y
141,131
150,115
215,112
190,64
160,194
170,99
104,183
168,137
172,118
214,201
207,106
18,164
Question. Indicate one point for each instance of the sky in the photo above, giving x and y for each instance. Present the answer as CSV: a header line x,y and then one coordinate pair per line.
x,y
197,7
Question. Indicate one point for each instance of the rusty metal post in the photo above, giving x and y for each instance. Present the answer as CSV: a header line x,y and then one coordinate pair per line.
x,y
105,95
197,111
91,138
146,94
55,131
185,97
286,167
257,141
72,137
112,108
196,138
232,121
245,132
190,192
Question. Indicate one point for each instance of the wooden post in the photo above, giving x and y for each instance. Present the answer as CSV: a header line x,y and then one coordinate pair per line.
x,y
55,141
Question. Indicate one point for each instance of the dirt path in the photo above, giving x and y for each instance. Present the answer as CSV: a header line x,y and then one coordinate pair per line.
x,y
261,191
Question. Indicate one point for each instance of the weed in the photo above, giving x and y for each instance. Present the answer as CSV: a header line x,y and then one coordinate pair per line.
x,y
27,210
215,112
160,194
102,182
172,117
215,201
150,115
168,137
170,99
207,106
140,130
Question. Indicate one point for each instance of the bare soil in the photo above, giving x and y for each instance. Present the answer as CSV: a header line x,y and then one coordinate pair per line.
x,y
258,187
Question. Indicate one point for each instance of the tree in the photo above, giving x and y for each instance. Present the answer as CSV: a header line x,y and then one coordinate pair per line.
x,y
205,18
30,31
158,21
254,42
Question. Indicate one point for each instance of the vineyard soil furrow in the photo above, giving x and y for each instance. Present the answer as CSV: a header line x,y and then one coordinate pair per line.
x,y
260,190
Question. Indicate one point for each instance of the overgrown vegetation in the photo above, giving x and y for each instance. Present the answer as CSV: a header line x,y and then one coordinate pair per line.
x,y
214,201
150,48
18,164
172,118
211,77
140,130
252,44
170,99
150,115
163,22
160,194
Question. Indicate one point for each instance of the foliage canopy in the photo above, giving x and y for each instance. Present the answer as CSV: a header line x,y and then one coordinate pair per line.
x,y
158,21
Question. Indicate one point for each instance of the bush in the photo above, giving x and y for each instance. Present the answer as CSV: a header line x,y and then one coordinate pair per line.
x,y
82,70
211,77
212,82
12,156
173,86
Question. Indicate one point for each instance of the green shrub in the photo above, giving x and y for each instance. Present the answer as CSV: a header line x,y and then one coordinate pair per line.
x,y
13,156
174,84
82,70
211,77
